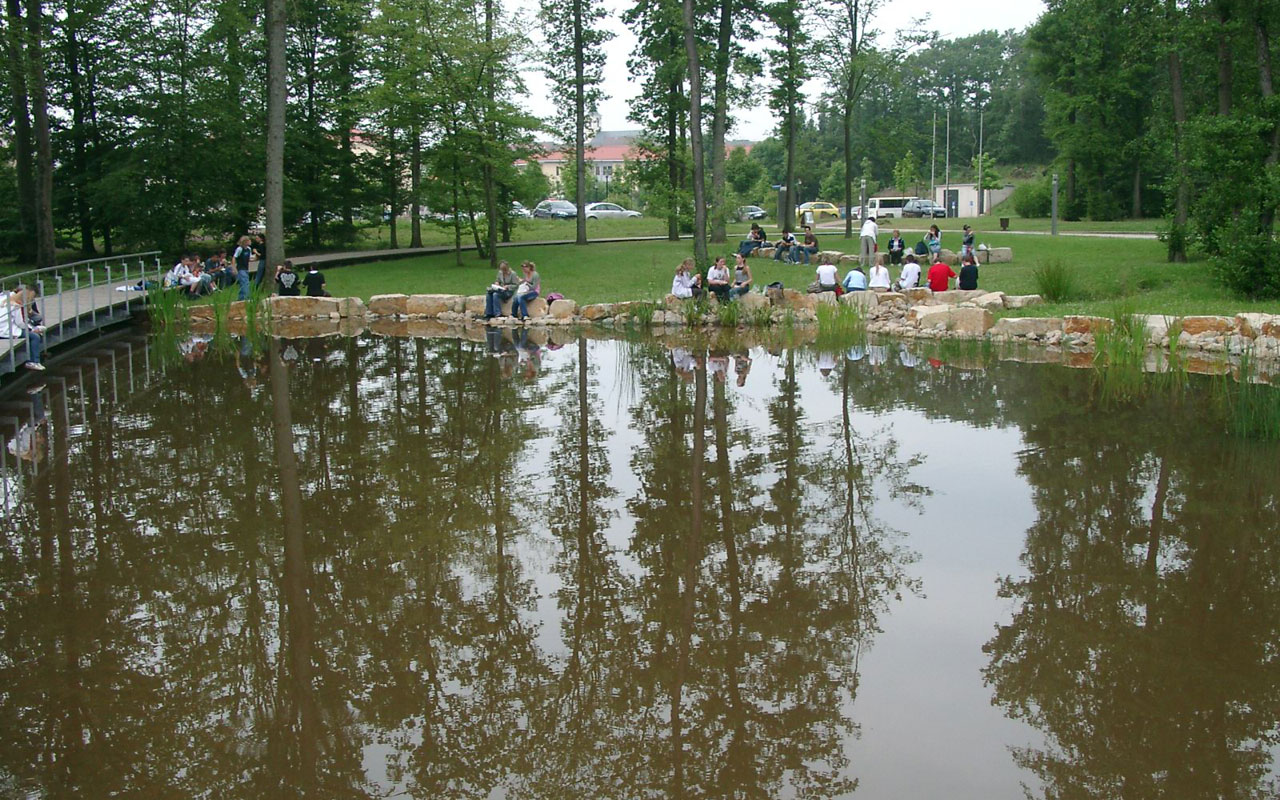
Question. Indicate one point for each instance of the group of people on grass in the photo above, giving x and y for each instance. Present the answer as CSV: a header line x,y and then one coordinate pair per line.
x,y
199,277
688,283
788,249
938,278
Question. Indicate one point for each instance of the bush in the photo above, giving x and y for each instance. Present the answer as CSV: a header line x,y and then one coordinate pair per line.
x,y
1055,281
1249,262
1034,199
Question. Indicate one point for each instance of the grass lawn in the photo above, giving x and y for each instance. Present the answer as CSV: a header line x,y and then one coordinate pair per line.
x,y
1108,271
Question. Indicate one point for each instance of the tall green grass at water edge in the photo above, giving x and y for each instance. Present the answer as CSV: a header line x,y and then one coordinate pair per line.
x,y
1250,409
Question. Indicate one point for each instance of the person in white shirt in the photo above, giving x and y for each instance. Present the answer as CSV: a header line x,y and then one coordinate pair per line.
x,y
910,277
718,280
870,233
686,283
828,279
15,311
879,278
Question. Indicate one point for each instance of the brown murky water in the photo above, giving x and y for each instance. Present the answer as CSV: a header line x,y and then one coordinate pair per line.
x,y
434,568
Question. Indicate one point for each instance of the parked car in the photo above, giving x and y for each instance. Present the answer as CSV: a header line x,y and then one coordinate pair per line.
x,y
820,211
518,210
555,209
923,208
608,211
751,213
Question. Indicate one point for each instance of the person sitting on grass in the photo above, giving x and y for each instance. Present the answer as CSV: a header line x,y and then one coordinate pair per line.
x,y
718,280
754,241
687,283
500,291
741,278
528,290
16,315
827,280
856,280
784,247
287,283
940,276
879,278
910,277
314,281
969,273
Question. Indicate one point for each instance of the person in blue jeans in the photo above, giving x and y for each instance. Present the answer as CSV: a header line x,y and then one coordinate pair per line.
x,y
16,311
240,260
809,247
500,290
785,247
527,291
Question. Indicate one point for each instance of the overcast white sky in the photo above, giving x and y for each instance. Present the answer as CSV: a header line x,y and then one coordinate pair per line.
x,y
949,17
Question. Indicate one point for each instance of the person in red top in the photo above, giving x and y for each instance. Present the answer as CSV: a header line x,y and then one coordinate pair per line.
x,y
939,275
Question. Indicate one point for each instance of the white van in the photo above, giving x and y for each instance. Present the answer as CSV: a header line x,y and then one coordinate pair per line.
x,y
882,207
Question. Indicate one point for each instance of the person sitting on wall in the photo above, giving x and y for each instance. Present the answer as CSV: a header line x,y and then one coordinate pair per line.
x,y
896,248
314,281
528,290
500,291
754,241
718,280
969,273
933,241
784,247
827,279
741,278
856,280
287,283
910,277
940,276
809,247
687,284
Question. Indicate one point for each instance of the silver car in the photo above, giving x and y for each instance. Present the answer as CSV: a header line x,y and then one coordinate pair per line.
x,y
608,211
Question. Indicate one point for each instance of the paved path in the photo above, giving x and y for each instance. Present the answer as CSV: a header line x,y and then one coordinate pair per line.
x,y
102,300
996,231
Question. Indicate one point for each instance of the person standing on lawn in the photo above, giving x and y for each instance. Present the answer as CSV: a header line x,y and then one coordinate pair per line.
x,y
870,233
240,266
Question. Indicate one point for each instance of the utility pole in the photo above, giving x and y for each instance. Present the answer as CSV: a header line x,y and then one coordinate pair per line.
x,y
933,160
946,196
982,162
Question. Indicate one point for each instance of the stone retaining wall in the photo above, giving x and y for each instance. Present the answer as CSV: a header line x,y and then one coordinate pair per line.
x,y
915,313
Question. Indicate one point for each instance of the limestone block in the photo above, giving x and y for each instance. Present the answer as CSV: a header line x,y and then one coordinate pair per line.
x,y
1206,365
991,302
1081,324
429,305
306,327
828,257
563,309
1022,327
200,313
1022,300
474,304
955,296
289,307
670,301
921,295
236,311
387,305
596,311
1271,328
861,300
537,307
847,259
928,316
1156,325
765,252
798,300
351,307
948,257
1000,255
828,298
1194,326
891,298
753,300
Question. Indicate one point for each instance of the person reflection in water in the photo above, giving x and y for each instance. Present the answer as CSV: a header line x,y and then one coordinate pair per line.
x,y
742,365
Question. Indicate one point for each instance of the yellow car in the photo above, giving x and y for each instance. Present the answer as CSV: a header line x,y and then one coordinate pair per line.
x,y
820,211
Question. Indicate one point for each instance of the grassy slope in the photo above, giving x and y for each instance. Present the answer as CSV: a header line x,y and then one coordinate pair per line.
x,y
1107,269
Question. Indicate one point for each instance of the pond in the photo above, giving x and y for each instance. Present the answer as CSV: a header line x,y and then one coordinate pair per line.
x,y
629,567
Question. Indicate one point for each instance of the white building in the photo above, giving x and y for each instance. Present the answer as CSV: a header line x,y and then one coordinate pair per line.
x,y
961,199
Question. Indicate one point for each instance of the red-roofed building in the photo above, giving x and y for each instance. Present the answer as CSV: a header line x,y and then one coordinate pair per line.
x,y
607,153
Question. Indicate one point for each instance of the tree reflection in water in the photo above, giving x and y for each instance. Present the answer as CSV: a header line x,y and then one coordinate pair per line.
x,y
1143,642
322,570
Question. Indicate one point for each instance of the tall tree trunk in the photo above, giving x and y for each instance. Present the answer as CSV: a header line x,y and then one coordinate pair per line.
x,y
415,186
346,120
695,134
277,84
22,145
850,97
579,123
1136,209
673,165
316,141
1225,66
79,134
40,123
789,119
1177,242
393,187
1266,219
720,120
487,172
